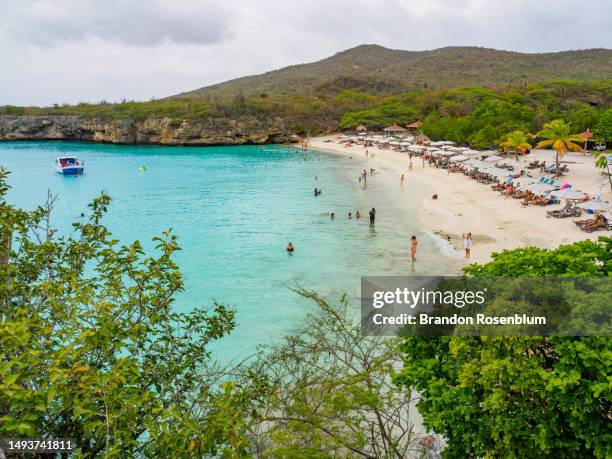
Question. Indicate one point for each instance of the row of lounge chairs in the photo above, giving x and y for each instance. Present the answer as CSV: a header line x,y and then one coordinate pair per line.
x,y
599,221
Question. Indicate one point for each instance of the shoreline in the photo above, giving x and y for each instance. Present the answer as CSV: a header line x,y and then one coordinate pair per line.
x,y
463,205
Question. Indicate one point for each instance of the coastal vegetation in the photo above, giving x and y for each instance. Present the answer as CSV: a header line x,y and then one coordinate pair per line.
x,y
479,116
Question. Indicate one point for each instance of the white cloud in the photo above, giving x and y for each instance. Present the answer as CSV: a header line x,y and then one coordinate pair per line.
x,y
75,50
135,23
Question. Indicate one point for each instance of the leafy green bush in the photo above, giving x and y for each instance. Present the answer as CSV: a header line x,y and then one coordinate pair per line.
x,y
519,396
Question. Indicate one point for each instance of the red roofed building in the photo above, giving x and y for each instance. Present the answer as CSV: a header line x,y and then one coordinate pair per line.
x,y
413,128
394,129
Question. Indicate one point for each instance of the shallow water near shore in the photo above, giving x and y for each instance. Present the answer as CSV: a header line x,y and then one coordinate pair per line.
x,y
234,209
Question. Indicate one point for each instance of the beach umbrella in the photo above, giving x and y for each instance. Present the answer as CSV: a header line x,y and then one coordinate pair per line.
x,y
493,158
539,188
458,158
497,172
595,205
568,194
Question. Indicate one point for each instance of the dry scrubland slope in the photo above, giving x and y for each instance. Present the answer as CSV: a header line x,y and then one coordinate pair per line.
x,y
375,69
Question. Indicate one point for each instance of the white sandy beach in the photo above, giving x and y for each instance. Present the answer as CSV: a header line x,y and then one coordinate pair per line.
x,y
464,205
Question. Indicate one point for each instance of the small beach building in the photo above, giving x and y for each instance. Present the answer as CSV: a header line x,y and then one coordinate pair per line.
x,y
393,130
413,128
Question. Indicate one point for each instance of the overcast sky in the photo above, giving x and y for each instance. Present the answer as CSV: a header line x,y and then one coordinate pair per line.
x,y
55,51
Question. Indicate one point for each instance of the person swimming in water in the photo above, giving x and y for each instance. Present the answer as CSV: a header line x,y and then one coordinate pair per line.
x,y
332,215
290,247
350,215
357,215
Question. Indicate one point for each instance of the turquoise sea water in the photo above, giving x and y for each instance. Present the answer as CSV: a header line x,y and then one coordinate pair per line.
x,y
234,210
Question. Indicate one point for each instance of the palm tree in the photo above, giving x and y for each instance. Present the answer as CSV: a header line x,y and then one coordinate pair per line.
x,y
556,135
517,142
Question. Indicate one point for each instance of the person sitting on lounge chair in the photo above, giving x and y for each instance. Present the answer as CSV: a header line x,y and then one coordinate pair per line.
x,y
598,221
590,221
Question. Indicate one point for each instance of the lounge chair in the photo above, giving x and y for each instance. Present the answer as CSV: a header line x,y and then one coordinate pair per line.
x,y
533,165
568,211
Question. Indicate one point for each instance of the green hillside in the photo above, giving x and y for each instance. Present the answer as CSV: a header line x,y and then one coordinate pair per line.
x,y
377,70
469,95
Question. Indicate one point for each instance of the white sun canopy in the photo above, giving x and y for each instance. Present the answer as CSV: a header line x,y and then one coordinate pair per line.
x,y
595,205
568,194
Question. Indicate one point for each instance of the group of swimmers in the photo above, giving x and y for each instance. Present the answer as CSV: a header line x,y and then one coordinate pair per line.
x,y
372,214
363,177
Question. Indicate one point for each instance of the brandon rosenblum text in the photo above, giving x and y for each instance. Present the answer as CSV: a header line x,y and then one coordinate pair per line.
x,y
456,319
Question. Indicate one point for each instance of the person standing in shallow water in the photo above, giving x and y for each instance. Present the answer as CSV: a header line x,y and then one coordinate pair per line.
x,y
413,247
372,215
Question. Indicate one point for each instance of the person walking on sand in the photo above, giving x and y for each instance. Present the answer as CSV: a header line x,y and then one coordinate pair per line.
x,y
402,181
413,247
410,165
372,215
467,244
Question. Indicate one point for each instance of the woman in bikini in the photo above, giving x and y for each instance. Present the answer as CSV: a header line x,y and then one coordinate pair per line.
x,y
413,247
467,244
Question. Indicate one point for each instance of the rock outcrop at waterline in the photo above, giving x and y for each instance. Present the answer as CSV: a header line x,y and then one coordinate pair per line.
x,y
160,131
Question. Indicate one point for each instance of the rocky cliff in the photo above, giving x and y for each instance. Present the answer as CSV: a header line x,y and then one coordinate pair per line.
x,y
161,131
